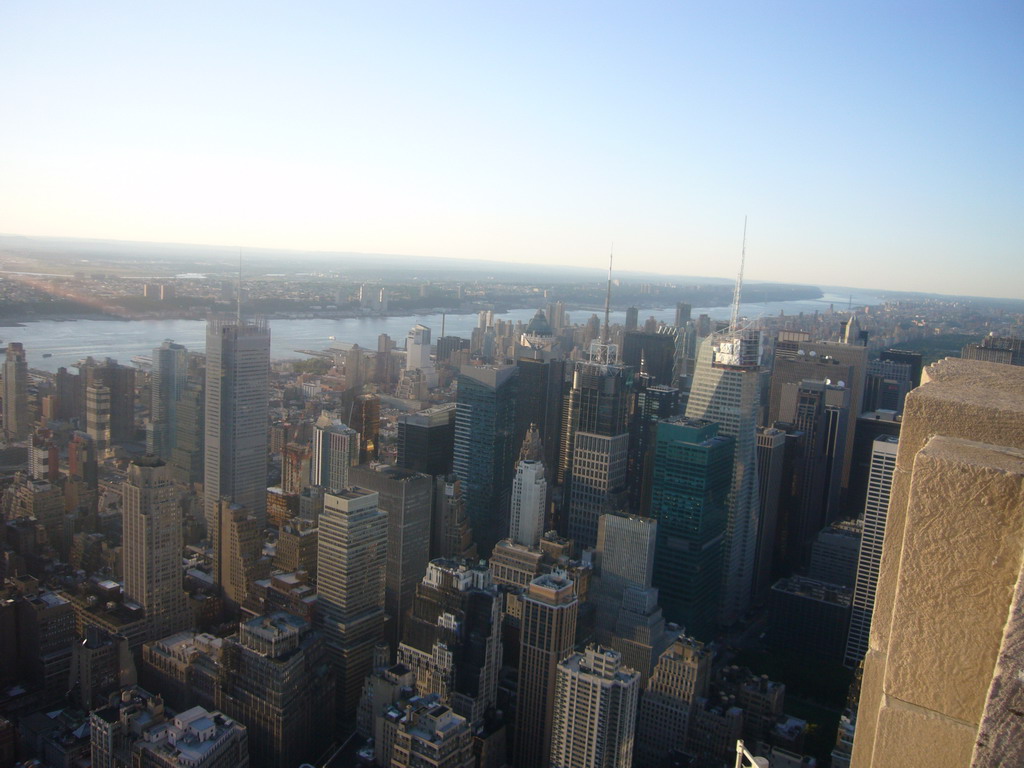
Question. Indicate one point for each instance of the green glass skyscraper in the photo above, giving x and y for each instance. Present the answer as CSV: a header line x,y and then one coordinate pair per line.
x,y
691,476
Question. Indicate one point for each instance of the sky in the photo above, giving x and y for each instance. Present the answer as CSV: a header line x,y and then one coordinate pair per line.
x,y
870,144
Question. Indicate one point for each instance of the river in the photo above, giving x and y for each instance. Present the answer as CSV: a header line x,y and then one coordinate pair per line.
x,y
67,342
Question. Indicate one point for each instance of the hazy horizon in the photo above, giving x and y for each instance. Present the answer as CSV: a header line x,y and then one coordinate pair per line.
x,y
863,141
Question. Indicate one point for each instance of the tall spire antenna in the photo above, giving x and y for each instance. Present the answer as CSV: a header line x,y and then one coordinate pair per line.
x,y
238,289
606,336
735,320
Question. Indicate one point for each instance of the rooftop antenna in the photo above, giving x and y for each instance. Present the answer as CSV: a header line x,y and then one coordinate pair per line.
x,y
238,289
735,320
606,336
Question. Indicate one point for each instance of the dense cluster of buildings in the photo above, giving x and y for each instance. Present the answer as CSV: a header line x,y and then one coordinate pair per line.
x,y
544,545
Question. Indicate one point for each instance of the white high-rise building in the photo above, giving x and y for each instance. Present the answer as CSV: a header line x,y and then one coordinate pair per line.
x,y
351,557
727,389
237,395
595,711
529,496
151,523
417,353
876,508
335,451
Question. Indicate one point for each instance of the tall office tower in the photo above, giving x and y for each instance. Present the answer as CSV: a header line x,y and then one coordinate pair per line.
x,y
46,632
556,316
452,640
818,361
384,364
629,619
188,454
274,677
727,390
691,479
237,394
771,464
426,440
44,456
406,498
82,464
16,418
450,533
120,380
913,359
299,466
351,560
654,403
886,385
69,395
869,426
366,421
485,449
529,502
237,552
683,311
447,346
876,509
335,452
820,411
417,348
942,670
595,441
539,399
431,735
547,635
657,352
683,675
995,349
632,313
595,710
97,416
835,552
152,546
170,372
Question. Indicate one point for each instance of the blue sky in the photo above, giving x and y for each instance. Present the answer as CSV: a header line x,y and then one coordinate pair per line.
x,y
871,144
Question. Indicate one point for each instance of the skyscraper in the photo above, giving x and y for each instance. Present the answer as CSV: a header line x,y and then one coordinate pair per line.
x,y
529,502
405,497
654,403
726,390
820,412
595,711
595,442
366,421
629,619
426,440
452,640
16,424
485,449
238,560
691,477
237,393
151,523
335,452
120,381
351,558
170,372
876,508
547,636
683,675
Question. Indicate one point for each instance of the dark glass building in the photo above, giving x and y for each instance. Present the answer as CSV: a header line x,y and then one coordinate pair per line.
x,y
691,476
